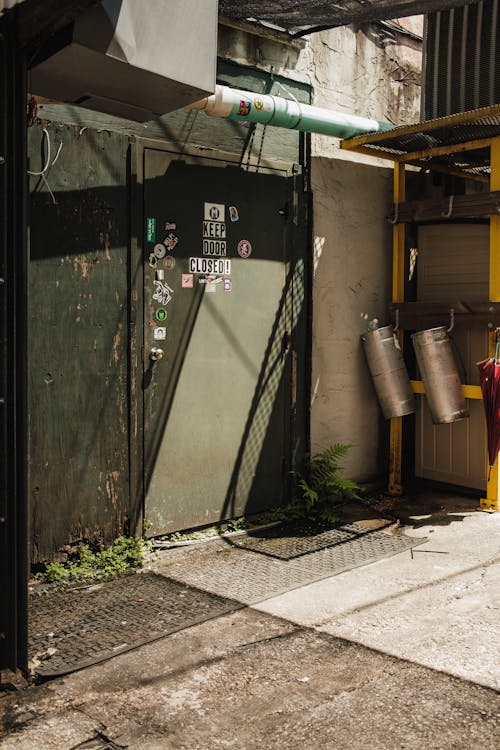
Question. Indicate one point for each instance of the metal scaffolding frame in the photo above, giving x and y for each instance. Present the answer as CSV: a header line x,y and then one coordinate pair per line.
x,y
465,145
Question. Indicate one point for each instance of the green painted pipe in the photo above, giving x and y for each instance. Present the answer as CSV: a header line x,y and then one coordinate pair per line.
x,y
246,106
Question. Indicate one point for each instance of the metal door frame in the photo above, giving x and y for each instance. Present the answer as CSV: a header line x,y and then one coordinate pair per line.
x,y
298,202
13,356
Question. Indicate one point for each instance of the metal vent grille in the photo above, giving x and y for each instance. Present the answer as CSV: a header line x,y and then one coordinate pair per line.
x,y
461,59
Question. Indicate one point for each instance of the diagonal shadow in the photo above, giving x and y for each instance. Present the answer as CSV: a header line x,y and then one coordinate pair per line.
x,y
276,367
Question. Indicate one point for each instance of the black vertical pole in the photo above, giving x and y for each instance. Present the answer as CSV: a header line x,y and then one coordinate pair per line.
x,y
13,351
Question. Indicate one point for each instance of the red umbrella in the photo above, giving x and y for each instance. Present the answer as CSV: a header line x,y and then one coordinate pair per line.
x,y
489,380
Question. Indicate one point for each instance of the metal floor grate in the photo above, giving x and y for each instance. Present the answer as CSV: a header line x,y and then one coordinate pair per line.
x,y
297,540
248,576
71,628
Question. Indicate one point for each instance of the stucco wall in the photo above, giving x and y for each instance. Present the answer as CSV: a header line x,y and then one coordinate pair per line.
x,y
351,285
362,73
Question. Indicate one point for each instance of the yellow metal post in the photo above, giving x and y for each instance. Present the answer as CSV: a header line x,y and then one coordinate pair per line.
x,y
398,286
491,501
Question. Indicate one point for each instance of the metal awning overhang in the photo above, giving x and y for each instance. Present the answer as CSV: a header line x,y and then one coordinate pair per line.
x,y
301,17
458,144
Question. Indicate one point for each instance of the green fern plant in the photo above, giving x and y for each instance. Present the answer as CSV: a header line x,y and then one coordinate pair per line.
x,y
325,490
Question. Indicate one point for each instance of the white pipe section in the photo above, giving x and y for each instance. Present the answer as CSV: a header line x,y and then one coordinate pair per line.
x,y
247,106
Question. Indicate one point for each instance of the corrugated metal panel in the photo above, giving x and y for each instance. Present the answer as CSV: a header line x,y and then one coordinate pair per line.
x,y
453,263
8,4
462,57
462,127
297,14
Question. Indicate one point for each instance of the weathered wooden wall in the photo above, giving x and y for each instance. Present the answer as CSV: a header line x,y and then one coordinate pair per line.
x,y
78,348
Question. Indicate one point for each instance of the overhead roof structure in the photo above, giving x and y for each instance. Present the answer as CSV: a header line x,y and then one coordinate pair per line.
x,y
457,143
301,17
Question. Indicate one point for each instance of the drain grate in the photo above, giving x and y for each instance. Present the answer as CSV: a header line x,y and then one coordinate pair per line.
x,y
297,540
74,628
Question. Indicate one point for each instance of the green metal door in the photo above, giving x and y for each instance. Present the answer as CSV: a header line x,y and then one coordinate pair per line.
x,y
218,313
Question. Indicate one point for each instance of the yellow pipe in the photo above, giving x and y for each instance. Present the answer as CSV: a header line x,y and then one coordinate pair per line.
x,y
468,391
398,293
456,148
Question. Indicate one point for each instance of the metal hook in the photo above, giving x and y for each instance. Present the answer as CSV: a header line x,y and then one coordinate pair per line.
x,y
452,320
396,320
396,212
447,214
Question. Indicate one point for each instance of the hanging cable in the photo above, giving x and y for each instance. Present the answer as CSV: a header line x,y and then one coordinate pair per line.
x,y
47,163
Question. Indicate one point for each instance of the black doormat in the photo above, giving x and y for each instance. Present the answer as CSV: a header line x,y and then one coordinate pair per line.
x,y
295,540
72,628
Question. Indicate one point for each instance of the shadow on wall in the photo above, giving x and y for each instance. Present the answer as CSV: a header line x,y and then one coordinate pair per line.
x,y
78,339
217,438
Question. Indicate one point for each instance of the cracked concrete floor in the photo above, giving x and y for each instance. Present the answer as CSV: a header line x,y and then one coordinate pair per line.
x,y
438,606
383,657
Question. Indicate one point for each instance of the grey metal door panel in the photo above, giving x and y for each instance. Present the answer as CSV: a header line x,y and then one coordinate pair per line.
x,y
216,405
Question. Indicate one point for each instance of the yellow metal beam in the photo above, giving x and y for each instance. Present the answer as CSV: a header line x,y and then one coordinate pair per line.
x,y
435,167
468,391
492,499
367,144
456,148
424,164
398,293
462,118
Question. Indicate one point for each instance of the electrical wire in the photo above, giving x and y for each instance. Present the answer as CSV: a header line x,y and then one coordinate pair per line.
x,y
47,163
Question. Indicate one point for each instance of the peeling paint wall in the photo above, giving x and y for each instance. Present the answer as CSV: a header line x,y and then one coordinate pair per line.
x,y
372,71
78,357
371,74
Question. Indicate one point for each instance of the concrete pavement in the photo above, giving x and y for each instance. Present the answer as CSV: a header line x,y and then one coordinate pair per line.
x,y
402,653
438,606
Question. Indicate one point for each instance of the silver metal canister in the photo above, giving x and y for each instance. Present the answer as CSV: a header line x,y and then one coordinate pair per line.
x,y
440,375
388,370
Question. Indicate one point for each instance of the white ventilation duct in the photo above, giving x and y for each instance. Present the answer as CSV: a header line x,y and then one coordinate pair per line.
x,y
131,59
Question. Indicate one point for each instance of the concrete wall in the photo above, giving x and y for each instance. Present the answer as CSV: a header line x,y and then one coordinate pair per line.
x,y
373,72
356,72
351,285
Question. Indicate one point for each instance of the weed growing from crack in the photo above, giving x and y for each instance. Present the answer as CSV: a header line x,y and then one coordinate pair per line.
x,y
126,553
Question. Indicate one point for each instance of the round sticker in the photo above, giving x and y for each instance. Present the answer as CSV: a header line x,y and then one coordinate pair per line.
x,y
169,262
258,104
244,248
171,241
160,250
161,314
